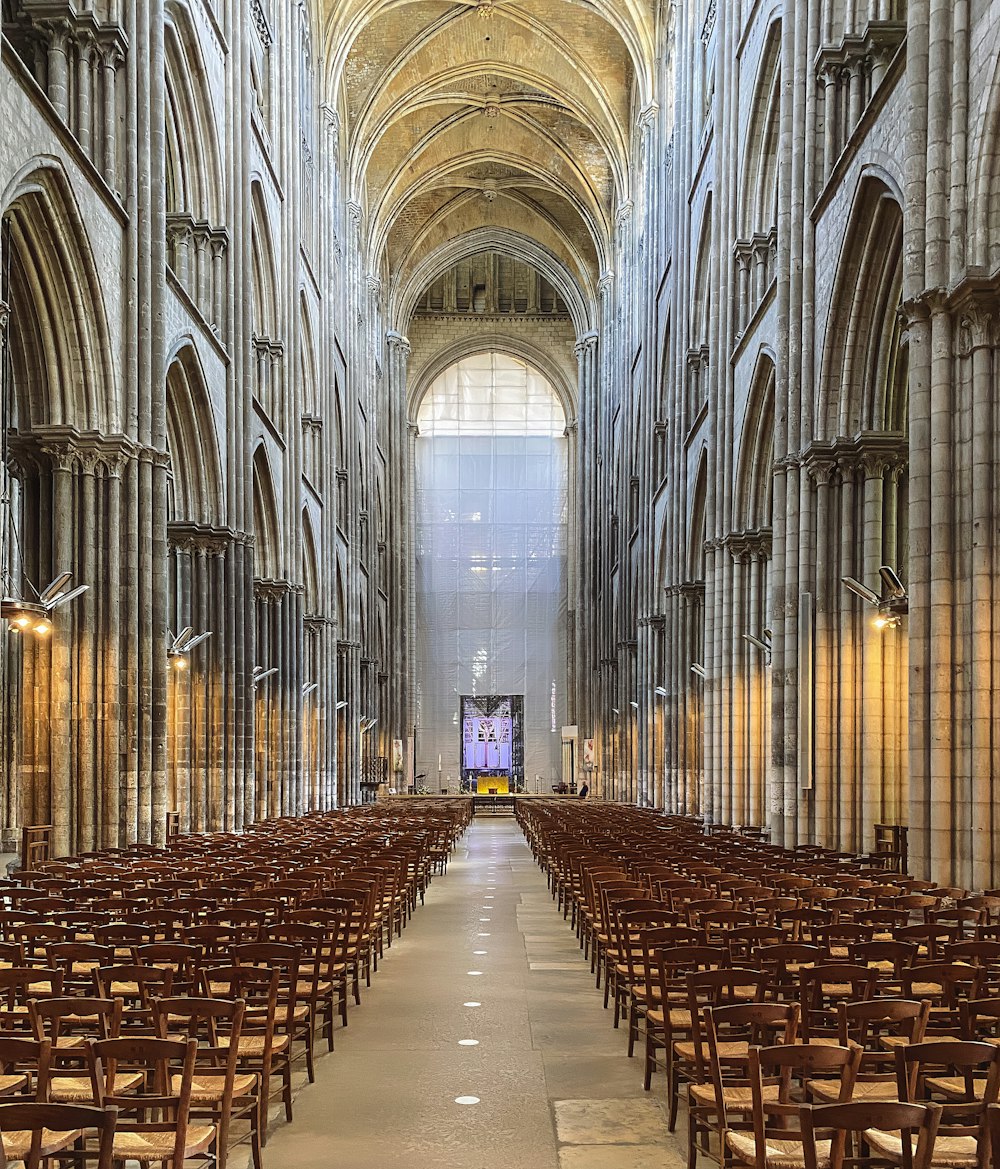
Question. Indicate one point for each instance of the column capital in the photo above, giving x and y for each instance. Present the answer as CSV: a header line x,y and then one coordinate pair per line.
x,y
585,344
398,343
623,214
647,116
606,283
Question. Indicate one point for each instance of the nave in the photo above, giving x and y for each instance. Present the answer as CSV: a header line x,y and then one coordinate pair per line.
x,y
554,1086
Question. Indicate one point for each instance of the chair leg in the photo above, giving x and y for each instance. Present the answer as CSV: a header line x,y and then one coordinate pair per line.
x,y
286,1075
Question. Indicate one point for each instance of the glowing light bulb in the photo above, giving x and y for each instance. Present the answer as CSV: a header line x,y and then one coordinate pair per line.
x,y
43,627
881,622
180,663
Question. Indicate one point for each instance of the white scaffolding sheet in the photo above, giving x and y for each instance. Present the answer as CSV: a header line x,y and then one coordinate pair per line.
x,y
491,474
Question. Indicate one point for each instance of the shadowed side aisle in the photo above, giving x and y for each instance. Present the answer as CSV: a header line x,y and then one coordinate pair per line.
x,y
486,997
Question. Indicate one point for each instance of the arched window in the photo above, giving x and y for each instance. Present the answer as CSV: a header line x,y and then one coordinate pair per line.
x,y
491,479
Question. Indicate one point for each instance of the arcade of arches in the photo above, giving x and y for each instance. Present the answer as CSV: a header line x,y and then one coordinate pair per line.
x,y
751,252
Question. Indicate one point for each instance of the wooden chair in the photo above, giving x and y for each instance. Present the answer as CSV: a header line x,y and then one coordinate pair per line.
x,y
709,988
220,1093
776,1140
259,1049
823,987
19,984
25,1067
719,1095
136,986
69,1024
166,1070
970,1083
827,1127
37,1134
877,1027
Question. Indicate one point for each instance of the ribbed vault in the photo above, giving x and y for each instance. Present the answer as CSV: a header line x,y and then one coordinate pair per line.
x,y
453,124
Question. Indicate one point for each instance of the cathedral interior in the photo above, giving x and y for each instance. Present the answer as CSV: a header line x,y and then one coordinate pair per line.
x,y
739,260
415,401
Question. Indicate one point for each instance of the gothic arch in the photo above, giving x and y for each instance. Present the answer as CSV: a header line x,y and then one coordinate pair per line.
x,y
309,381
754,475
193,167
197,488
701,307
267,527
517,347
263,275
571,286
310,566
860,387
759,196
697,521
61,351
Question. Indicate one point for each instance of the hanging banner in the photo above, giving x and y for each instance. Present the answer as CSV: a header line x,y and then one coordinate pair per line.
x,y
588,752
397,754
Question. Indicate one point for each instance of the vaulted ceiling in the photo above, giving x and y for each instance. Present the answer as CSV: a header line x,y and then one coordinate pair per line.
x,y
489,123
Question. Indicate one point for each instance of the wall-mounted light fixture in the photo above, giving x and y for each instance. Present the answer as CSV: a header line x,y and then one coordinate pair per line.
x,y
763,643
615,710
182,645
634,705
309,687
892,606
661,691
342,704
699,669
260,674
24,616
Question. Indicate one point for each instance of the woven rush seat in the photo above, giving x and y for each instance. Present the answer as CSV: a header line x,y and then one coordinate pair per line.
x,y
828,1091
250,1045
80,1090
955,1085
949,1152
155,1146
680,1019
208,1089
17,1144
735,1098
728,1050
779,1154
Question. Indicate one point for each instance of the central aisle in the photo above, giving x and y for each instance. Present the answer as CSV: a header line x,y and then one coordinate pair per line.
x,y
488,959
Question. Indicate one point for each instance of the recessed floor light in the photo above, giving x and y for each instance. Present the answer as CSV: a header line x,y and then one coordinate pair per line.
x,y
484,935
474,973
472,1004
479,953
468,1043
466,1099
484,919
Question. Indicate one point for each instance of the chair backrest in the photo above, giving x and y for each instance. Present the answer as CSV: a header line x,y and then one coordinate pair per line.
x,y
62,1018
167,1068
214,1024
964,1112
836,1122
30,1057
41,1120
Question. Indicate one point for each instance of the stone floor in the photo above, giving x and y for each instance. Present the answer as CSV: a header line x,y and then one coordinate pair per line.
x,y
487,998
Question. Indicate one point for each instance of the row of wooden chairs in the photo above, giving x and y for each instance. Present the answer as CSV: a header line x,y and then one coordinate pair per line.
x,y
766,983
170,992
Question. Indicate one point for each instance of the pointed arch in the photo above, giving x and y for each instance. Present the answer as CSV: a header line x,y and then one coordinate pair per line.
x,y
759,195
308,378
860,387
267,528
193,164
196,481
61,351
310,566
263,274
698,518
701,307
754,475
